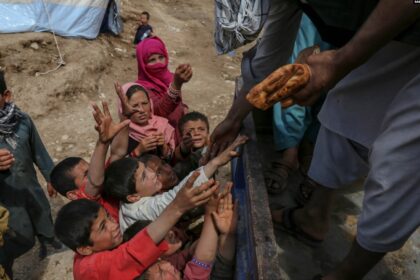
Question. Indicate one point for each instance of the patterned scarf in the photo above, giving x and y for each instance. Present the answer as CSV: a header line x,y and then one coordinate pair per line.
x,y
10,116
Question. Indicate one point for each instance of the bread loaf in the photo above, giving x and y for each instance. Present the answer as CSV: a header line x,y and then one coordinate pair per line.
x,y
279,86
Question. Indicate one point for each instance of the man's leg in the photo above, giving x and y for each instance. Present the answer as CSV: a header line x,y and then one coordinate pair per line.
x,y
356,264
336,162
391,210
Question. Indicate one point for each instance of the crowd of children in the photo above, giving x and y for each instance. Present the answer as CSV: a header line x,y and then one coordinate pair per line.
x,y
137,208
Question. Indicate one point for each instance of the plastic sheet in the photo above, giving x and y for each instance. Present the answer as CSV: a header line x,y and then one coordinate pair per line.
x,y
71,18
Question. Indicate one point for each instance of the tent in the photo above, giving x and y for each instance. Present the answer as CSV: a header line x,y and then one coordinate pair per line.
x,y
72,18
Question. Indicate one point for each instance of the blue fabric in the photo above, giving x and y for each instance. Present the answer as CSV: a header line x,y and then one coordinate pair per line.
x,y
73,20
290,125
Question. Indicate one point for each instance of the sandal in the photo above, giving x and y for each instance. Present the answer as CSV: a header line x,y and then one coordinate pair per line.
x,y
288,225
304,191
276,177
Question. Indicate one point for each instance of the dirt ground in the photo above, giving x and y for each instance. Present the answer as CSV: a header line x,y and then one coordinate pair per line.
x,y
59,101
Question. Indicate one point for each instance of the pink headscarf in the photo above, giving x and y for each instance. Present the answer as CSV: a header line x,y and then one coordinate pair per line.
x,y
155,124
155,77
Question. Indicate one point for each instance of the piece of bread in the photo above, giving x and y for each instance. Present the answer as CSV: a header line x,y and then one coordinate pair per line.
x,y
279,86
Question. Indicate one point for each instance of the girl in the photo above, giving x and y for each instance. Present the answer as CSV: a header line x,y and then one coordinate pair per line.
x,y
163,86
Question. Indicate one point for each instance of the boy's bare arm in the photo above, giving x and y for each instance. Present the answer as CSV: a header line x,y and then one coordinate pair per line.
x,y
119,145
227,155
186,199
207,244
106,131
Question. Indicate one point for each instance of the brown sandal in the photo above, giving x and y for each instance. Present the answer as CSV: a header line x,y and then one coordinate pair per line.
x,y
304,191
276,177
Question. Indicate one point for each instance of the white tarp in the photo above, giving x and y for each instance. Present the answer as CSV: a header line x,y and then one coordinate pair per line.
x,y
74,18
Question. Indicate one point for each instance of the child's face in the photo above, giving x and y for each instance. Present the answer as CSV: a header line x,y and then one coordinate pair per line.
x,y
79,173
166,175
163,270
143,19
199,132
105,233
147,183
140,102
156,58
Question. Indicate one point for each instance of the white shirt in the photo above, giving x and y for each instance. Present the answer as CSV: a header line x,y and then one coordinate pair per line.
x,y
149,208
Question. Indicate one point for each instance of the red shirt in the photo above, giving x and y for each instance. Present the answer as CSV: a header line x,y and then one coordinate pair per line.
x,y
111,205
127,261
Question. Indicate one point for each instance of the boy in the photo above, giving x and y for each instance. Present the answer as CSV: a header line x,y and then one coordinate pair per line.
x,y
85,227
20,191
194,130
75,178
165,173
135,185
144,30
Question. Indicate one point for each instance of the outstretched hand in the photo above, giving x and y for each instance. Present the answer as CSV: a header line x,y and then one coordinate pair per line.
x,y
226,217
190,197
230,152
213,203
183,74
105,127
127,110
186,143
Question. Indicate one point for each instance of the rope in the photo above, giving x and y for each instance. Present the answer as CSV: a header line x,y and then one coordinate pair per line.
x,y
61,62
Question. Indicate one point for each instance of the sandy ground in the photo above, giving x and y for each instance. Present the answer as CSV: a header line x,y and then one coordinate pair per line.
x,y
59,101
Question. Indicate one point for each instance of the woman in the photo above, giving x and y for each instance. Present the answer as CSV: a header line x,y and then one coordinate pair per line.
x,y
163,86
147,132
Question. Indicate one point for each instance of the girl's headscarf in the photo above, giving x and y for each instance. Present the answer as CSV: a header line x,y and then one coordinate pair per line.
x,y
156,124
155,77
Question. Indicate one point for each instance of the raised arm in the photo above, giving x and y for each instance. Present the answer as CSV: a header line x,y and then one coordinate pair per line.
x,y
106,129
228,153
166,104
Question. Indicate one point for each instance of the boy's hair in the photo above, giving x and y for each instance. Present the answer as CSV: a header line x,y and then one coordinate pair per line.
x,y
74,222
135,228
146,13
193,116
60,176
120,178
3,86
145,158
135,88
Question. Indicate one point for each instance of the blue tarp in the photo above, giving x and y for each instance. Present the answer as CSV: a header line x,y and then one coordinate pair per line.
x,y
73,18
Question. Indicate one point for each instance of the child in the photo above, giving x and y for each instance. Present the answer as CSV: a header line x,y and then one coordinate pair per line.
x,y
163,86
165,173
20,191
129,181
144,30
85,227
221,217
75,178
147,132
194,130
